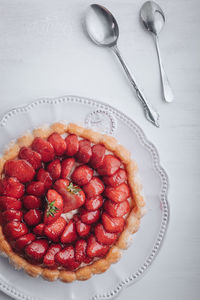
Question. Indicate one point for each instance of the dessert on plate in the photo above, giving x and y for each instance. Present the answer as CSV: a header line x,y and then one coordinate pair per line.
x,y
69,202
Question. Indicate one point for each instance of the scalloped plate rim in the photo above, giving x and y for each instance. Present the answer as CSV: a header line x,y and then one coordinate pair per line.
x,y
111,294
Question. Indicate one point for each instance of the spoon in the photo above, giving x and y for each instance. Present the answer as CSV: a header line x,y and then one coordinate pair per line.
x,y
103,30
153,19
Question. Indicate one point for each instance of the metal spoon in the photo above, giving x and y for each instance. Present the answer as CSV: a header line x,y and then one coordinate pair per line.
x,y
153,19
103,30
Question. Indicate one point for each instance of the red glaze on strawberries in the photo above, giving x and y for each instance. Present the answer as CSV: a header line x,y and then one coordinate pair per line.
x,y
54,207
24,240
33,217
94,203
95,249
116,209
104,237
33,157
58,143
45,178
82,228
66,167
20,169
112,224
94,188
109,166
36,250
82,175
15,229
89,217
9,203
11,187
66,258
30,202
98,153
119,193
35,188
116,179
72,145
54,169
69,235
12,215
49,258
44,148
54,230
85,152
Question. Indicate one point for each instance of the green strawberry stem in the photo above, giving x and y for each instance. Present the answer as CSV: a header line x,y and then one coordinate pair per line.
x,y
74,189
51,208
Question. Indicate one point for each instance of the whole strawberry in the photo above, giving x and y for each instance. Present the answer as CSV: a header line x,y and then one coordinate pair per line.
x,y
54,207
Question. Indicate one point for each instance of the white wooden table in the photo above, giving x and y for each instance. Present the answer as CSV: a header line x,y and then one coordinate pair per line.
x,y
44,52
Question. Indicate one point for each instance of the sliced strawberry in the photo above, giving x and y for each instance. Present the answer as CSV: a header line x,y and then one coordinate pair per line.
x,y
11,187
66,258
89,217
119,193
82,175
44,177
80,252
82,228
15,229
7,203
69,235
49,258
33,157
54,169
72,145
109,166
20,169
112,224
95,249
54,230
116,179
85,152
116,209
33,217
12,215
24,240
98,153
35,188
94,188
94,203
45,149
39,229
36,250
66,167
30,202
104,237
54,207
73,196
58,143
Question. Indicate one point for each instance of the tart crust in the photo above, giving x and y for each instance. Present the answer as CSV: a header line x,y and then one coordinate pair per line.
x,y
132,221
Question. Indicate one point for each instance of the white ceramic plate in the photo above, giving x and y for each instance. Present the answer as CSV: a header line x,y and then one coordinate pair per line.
x,y
146,242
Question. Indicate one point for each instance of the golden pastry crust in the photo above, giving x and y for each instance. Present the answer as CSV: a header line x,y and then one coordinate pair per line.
x,y
132,221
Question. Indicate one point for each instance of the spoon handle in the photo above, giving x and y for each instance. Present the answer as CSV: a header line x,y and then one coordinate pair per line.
x,y
167,91
150,113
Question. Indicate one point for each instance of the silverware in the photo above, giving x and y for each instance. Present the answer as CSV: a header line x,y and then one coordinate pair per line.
x,y
153,19
103,30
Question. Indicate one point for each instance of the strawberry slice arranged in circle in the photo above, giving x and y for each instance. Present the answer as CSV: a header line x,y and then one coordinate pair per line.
x,y
69,235
11,187
21,169
115,179
36,250
104,237
54,207
111,224
95,249
66,258
109,166
54,230
82,175
49,258
58,143
119,193
33,157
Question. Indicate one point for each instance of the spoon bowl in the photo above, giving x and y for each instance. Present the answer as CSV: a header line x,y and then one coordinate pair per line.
x,y
152,17
103,30
101,26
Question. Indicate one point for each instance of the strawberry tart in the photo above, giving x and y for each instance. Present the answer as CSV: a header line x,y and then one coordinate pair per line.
x,y
69,202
